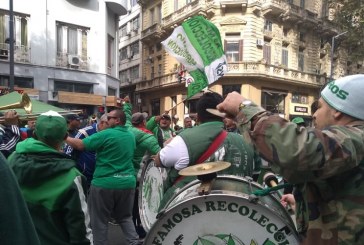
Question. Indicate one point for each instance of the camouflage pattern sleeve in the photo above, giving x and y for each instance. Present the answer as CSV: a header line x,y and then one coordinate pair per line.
x,y
316,153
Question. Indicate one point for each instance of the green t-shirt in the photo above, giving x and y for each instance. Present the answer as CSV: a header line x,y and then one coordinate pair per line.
x,y
114,158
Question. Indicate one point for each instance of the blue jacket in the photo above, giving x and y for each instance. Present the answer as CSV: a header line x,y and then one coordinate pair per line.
x,y
85,160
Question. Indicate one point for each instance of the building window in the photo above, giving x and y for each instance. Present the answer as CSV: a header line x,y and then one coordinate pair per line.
x,y
285,57
123,75
21,82
133,3
155,107
110,52
134,72
232,51
111,91
302,37
302,4
233,47
135,23
134,48
20,36
299,98
268,25
273,101
230,88
73,87
301,60
123,31
159,13
267,52
159,69
72,39
123,53
285,32
151,14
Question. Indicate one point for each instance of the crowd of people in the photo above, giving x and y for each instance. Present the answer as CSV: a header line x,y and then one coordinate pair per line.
x,y
63,184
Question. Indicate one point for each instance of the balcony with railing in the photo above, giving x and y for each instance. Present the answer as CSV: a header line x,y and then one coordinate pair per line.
x,y
226,4
274,8
244,69
158,82
273,72
293,13
152,33
21,53
310,18
72,61
177,17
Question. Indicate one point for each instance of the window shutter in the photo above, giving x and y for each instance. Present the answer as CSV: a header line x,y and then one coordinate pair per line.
x,y
241,48
225,45
266,53
285,57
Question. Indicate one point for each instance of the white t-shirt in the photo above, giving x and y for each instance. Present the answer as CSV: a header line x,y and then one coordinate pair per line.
x,y
175,154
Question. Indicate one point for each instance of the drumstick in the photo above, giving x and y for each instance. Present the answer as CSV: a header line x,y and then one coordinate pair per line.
x,y
271,180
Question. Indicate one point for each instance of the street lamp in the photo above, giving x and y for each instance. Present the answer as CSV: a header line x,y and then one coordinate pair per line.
x,y
332,52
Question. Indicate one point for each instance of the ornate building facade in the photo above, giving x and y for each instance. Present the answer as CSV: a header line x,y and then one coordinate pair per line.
x,y
278,53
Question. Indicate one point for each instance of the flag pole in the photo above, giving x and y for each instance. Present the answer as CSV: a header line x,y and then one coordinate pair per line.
x,y
183,101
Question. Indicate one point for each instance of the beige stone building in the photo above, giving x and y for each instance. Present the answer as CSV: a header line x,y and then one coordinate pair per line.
x,y
278,53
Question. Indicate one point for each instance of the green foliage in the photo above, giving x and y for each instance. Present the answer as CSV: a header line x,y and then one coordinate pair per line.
x,y
350,17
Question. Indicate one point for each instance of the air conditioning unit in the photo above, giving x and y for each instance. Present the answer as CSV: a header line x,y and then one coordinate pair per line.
x,y
74,60
260,42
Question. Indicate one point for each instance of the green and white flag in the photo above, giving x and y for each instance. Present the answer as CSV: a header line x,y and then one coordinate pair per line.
x,y
197,45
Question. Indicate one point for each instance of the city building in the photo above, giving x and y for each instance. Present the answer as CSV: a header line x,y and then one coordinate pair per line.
x,y
65,51
278,53
130,52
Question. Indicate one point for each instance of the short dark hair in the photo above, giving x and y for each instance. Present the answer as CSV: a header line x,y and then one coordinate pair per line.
x,y
208,100
121,115
314,107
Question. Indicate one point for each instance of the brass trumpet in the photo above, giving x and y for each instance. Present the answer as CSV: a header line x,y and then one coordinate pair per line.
x,y
24,103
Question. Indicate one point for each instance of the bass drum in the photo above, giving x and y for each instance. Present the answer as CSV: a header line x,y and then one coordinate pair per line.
x,y
228,215
151,192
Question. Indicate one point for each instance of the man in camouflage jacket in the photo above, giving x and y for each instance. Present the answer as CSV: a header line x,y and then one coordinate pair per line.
x,y
326,163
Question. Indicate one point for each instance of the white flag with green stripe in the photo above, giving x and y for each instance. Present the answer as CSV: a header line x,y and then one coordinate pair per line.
x,y
197,45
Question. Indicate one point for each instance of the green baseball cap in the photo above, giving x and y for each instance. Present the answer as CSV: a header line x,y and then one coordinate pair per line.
x,y
51,127
298,120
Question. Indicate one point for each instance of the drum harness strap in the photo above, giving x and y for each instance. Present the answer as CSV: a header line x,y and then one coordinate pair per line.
x,y
212,148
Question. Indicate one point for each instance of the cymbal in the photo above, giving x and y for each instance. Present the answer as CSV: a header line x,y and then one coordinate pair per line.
x,y
204,168
216,112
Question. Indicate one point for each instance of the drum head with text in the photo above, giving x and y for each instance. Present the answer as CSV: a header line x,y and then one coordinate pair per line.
x,y
221,219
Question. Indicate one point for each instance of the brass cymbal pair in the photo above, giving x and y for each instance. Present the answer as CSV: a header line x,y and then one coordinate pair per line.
x,y
204,168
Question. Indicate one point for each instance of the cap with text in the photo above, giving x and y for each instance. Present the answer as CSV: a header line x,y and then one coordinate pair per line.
x,y
345,95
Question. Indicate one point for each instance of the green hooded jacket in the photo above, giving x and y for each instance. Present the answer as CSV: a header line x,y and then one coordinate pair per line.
x,y
54,192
